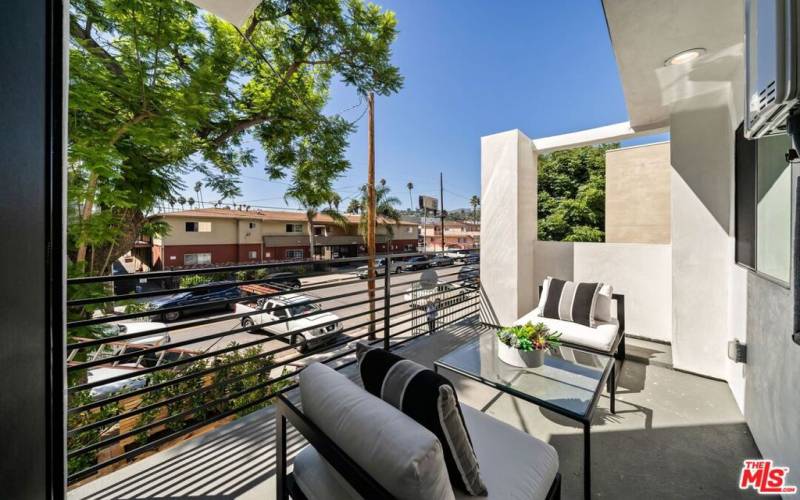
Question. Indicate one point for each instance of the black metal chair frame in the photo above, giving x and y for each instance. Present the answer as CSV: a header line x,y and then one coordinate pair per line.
x,y
354,474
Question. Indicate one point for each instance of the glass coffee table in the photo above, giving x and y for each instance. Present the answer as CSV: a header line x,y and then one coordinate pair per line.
x,y
568,383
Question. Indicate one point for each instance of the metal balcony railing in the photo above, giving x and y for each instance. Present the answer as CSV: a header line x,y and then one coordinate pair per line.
x,y
137,386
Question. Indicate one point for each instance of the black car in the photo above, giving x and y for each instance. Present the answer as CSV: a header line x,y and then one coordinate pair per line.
x,y
441,261
283,280
469,276
415,263
204,299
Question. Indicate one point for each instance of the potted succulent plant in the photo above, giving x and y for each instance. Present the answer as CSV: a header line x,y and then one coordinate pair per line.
x,y
524,345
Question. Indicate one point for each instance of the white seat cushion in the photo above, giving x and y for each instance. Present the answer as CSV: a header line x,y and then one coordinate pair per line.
x,y
514,465
600,337
403,456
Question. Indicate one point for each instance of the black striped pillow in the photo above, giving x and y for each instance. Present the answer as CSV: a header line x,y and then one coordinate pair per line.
x,y
431,400
571,301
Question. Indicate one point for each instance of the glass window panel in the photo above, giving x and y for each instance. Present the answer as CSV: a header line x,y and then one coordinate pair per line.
x,y
773,218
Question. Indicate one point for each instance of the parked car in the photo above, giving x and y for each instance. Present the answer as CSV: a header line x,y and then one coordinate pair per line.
x,y
283,280
294,312
204,299
457,255
415,263
380,268
469,276
472,259
441,261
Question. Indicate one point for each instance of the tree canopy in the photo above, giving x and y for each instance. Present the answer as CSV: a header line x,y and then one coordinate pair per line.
x,y
159,89
572,194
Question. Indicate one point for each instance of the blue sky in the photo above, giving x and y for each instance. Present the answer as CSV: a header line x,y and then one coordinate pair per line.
x,y
473,68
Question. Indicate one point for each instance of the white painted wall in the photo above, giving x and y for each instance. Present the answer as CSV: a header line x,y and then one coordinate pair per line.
x,y
641,272
508,226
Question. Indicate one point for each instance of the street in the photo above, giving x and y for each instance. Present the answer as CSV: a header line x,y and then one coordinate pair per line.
x,y
342,307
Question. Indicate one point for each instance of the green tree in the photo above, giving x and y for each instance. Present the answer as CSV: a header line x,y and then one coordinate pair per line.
x,y
410,187
475,202
572,194
386,211
312,193
159,89
354,206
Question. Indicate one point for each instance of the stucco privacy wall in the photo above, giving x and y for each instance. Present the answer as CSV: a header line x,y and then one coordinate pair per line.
x,y
508,226
641,272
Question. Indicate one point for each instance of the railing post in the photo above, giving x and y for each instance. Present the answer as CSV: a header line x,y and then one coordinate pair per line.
x,y
386,299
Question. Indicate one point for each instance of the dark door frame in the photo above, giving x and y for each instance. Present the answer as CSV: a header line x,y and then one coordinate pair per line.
x,y
33,94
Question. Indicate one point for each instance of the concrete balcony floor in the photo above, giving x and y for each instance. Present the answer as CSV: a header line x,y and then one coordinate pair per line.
x,y
674,435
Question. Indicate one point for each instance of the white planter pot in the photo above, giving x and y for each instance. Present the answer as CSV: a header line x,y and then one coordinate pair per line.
x,y
521,359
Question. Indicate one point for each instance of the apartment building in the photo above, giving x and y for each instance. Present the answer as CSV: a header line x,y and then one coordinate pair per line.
x,y
461,235
216,236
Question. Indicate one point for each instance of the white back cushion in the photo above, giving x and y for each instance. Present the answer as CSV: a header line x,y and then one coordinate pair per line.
x,y
602,309
404,457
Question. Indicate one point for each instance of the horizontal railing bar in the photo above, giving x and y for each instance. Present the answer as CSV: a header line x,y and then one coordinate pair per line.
x,y
210,336
156,423
158,442
424,314
219,319
231,283
215,369
157,312
396,334
167,329
242,267
143,390
245,345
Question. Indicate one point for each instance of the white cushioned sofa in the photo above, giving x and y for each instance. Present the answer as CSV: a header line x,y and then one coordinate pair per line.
x,y
362,447
607,336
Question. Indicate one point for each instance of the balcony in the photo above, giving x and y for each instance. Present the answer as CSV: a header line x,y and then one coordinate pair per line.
x,y
673,433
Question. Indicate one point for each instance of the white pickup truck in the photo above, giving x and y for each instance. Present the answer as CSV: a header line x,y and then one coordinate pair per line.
x,y
294,313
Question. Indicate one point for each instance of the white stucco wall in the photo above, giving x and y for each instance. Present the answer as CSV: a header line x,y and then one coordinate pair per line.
x,y
508,226
641,272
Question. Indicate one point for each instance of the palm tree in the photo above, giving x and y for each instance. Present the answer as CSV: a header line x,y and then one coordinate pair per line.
x,y
354,207
311,194
334,201
385,210
475,202
198,186
190,201
410,187
181,201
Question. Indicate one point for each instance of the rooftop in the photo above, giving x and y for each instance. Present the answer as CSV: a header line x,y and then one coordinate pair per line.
x,y
268,215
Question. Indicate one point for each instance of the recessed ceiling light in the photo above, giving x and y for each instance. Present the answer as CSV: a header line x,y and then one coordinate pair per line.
x,y
684,57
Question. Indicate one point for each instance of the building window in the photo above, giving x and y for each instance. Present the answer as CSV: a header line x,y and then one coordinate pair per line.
x,y
252,225
294,228
763,193
409,248
320,231
194,259
294,254
409,229
195,227
252,254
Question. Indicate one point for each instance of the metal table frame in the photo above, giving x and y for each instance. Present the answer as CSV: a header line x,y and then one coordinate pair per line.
x,y
585,419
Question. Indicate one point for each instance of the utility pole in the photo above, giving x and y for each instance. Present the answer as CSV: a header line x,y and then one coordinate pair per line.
x,y
371,213
441,209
